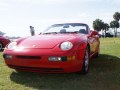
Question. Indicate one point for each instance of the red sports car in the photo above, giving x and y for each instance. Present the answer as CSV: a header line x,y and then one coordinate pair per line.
x,y
61,48
3,42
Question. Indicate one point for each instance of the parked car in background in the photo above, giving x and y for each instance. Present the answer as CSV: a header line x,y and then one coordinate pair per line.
x,y
109,35
61,48
3,42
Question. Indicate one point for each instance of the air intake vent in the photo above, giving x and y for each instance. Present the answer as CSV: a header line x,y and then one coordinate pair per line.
x,y
28,57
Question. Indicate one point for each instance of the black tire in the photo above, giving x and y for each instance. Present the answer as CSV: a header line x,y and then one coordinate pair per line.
x,y
1,46
85,67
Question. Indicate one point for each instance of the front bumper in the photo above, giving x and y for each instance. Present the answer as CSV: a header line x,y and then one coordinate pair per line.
x,y
37,61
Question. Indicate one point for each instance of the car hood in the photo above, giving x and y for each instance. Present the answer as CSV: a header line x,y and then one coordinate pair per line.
x,y
45,41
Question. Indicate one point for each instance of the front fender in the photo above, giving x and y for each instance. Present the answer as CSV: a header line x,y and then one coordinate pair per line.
x,y
81,50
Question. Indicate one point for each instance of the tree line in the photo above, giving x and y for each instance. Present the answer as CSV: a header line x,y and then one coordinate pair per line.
x,y
99,25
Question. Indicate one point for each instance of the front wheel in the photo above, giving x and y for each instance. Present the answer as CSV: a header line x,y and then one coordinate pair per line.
x,y
85,67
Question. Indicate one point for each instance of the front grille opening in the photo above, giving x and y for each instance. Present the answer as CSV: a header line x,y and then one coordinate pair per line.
x,y
28,57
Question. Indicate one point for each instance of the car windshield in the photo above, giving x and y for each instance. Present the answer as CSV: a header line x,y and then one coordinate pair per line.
x,y
66,28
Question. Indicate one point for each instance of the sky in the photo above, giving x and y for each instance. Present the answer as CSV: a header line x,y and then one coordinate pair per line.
x,y
17,15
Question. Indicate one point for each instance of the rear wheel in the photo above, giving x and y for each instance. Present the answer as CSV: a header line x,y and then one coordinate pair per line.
x,y
85,67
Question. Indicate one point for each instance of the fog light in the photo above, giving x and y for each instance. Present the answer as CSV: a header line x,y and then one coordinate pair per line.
x,y
57,58
54,58
6,56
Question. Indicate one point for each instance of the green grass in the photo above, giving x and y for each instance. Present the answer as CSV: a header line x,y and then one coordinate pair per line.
x,y
104,74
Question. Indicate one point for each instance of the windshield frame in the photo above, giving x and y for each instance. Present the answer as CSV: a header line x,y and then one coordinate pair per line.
x,y
67,24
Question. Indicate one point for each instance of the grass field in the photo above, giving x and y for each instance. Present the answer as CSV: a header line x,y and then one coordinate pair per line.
x,y
104,74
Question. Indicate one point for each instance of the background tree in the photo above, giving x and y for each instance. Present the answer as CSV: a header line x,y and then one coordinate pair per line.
x,y
114,24
116,16
98,24
105,28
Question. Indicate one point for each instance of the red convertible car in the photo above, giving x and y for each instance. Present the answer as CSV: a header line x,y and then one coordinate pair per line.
x,y
3,42
61,48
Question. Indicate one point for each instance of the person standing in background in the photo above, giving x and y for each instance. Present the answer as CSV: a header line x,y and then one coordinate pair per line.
x,y
32,31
